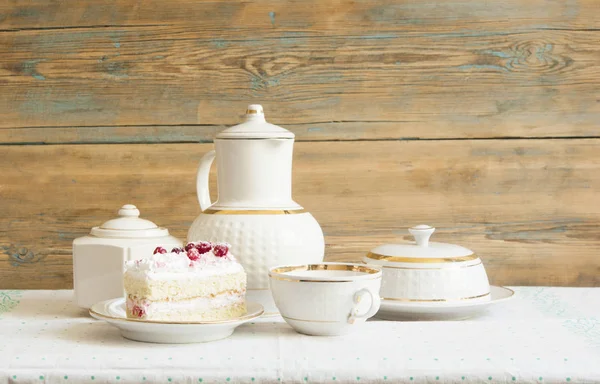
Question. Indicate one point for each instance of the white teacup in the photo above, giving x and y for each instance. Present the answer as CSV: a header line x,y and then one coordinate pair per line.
x,y
326,299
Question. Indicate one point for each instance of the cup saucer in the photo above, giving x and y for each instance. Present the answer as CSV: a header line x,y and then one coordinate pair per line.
x,y
113,312
441,311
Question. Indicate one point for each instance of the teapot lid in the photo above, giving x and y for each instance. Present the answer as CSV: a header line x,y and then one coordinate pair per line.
x,y
421,250
255,127
129,225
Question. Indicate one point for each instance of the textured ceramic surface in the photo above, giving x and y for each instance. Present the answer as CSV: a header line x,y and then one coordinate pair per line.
x,y
468,281
98,260
326,299
113,312
263,241
441,311
425,271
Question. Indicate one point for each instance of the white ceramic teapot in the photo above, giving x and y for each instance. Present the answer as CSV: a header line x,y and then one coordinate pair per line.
x,y
254,211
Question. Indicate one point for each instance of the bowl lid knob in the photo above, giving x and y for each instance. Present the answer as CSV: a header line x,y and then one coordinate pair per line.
x,y
129,225
422,233
129,210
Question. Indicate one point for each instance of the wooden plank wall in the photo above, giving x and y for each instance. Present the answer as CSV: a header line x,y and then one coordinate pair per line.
x,y
480,118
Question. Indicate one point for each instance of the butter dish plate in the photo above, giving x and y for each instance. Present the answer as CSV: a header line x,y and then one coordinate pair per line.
x,y
113,312
441,310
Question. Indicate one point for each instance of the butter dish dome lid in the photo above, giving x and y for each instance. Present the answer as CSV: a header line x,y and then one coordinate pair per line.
x,y
421,250
129,225
255,127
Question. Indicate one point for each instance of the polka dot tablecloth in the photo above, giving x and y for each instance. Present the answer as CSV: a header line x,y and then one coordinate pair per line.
x,y
544,335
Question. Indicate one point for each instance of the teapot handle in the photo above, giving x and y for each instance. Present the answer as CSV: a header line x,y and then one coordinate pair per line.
x,y
202,180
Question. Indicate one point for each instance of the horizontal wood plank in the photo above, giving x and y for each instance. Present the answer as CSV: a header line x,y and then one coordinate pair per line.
x,y
297,15
526,206
173,84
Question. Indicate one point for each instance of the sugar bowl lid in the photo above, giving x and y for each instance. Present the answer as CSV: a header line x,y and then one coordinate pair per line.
x,y
255,127
129,225
421,251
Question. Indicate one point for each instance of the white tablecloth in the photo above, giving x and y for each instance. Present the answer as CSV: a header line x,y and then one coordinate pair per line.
x,y
544,335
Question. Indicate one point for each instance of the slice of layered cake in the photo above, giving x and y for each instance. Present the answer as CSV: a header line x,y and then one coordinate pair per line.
x,y
201,282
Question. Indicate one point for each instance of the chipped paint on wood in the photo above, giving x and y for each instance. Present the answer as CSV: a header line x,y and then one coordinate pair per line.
x,y
29,67
481,67
219,43
272,17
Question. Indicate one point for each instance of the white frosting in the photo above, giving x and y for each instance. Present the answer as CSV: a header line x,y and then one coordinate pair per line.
x,y
171,262
175,266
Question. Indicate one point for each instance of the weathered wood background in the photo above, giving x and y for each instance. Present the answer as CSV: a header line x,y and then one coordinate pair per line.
x,y
481,118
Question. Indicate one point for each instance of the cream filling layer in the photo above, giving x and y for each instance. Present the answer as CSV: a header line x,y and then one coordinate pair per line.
x,y
198,304
199,272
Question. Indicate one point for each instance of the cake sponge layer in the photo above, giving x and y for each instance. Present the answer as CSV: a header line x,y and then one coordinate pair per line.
x,y
184,288
221,307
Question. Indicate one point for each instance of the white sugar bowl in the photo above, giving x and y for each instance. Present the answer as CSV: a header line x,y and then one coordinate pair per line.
x,y
99,258
425,271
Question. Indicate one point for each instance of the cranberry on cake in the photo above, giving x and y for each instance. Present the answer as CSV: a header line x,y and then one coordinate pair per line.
x,y
200,282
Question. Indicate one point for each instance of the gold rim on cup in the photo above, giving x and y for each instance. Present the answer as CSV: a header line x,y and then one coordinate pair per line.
x,y
278,273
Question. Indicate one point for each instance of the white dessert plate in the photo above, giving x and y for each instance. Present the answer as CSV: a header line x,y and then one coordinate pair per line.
x,y
459,310
113,312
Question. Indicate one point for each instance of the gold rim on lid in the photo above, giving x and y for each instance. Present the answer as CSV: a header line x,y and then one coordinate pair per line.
x,y
405,259
436,300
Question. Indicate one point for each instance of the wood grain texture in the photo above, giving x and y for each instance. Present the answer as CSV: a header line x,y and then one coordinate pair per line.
x,y
407,112
247,16
526,206
348,71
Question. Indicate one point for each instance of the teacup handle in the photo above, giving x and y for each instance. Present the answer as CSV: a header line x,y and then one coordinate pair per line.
x,y
375,303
